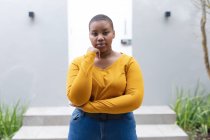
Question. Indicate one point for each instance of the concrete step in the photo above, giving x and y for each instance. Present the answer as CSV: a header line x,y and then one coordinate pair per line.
x,y
36,116
144,132
160,132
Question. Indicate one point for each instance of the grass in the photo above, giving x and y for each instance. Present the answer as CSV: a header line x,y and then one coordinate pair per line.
x,y
193,112
10,120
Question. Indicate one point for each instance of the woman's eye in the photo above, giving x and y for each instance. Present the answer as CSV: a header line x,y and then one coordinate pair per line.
x,y
105,33
94,34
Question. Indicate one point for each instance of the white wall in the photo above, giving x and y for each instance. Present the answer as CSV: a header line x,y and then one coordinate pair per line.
x,y
168,50
33,53
81,11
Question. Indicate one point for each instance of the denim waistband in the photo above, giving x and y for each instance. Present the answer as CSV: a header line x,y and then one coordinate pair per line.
x,y
104,116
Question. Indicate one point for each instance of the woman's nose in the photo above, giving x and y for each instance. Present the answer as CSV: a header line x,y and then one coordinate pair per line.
x,y
100,37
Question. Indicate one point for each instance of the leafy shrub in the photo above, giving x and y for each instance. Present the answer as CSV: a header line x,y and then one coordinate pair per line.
x,y
193,112
10,119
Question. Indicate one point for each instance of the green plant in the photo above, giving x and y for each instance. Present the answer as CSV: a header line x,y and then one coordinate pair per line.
x,y
193,112
10,119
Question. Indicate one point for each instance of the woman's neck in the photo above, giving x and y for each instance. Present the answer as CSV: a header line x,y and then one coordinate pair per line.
x,y
106,54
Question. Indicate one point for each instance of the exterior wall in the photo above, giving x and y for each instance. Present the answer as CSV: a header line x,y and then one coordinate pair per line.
x,y
168,49
33,53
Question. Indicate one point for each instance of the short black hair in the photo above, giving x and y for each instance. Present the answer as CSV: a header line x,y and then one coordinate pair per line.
x,y
101,17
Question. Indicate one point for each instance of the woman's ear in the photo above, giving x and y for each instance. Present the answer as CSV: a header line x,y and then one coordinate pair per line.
x,y
113,34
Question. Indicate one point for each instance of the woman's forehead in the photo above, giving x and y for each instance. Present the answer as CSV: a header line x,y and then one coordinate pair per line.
x,y
100,24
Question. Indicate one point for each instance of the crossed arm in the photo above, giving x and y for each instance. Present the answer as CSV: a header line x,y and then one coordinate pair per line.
x,y
79,87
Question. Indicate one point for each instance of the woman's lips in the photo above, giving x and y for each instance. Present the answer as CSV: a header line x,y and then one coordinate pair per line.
x,y
100,45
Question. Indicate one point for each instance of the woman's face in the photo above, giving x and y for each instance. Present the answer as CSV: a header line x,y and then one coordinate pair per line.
x,y
101,35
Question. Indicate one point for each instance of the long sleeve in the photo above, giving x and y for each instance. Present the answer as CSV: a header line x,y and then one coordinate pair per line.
x,y
128,102
79,80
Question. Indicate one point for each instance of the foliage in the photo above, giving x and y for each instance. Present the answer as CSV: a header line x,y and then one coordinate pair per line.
x,y
193,112
10,119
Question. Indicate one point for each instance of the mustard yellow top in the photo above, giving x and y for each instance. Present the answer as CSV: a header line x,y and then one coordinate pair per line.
x,y
114,90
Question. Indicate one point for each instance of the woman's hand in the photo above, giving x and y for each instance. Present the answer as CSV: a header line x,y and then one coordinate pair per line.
x,y
80,107
92,49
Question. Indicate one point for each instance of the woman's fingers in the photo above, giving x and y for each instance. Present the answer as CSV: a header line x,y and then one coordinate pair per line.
x,y
92,49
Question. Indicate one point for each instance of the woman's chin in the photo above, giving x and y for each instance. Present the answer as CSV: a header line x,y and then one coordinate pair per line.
x,y
100,46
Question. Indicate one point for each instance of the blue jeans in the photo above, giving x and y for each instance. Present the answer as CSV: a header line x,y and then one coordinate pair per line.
x,y
83,127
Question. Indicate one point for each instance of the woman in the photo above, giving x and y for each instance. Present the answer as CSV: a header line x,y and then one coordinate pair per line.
x,y
105,86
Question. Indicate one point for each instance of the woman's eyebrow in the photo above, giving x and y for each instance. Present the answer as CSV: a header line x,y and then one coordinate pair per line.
x,y
93,30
